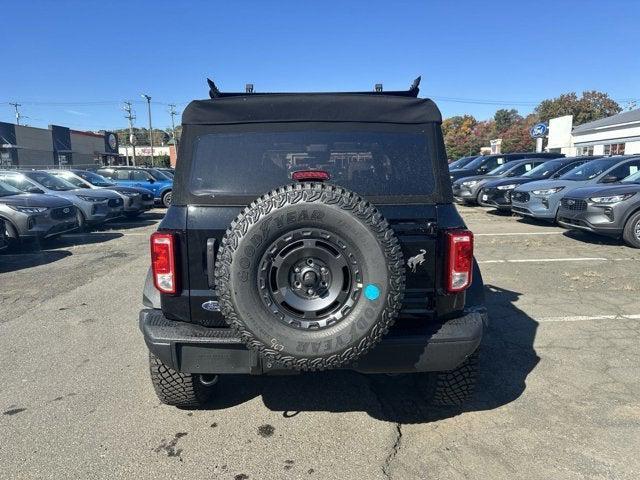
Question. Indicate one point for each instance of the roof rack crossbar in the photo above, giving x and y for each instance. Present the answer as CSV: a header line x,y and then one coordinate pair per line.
x,y
214,91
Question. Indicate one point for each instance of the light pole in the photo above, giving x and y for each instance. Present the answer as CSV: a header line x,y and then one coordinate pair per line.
x,y
150,127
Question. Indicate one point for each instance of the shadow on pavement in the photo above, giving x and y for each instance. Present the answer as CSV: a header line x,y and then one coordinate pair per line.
x,y
507,357
14,260
592,238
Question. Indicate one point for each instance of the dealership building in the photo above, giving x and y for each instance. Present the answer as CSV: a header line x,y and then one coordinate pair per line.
x,y
615,135
28,147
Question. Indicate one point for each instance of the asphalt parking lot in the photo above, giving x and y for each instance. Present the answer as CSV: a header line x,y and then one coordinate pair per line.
x,y
558,396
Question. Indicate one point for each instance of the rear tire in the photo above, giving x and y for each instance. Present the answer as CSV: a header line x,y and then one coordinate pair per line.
x,y
184,390
631,232
454,387
166,198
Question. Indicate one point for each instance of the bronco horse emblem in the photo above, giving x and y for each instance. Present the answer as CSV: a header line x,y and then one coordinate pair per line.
x,y
419,259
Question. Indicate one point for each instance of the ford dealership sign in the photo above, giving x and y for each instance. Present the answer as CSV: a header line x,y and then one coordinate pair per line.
x,y
539,130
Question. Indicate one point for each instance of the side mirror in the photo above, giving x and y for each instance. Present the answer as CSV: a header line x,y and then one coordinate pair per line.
x,y
152,180
609,179
85,186
34,190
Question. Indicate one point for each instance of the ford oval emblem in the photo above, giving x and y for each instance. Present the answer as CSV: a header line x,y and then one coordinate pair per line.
x,y
539,130
211,306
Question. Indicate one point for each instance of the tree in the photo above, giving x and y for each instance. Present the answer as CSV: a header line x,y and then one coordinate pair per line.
x,y
505,119
458,135
592,105
517,138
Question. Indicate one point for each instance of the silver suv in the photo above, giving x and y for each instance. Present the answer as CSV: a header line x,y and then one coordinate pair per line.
x,y
92,206
136,199
34,216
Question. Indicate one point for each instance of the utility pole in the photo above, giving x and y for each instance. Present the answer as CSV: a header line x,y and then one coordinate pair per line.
x,y
131,117
16,106
150,127
173,113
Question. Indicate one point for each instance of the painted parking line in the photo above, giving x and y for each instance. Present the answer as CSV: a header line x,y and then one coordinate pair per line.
x,y
547,260
515,234
586,318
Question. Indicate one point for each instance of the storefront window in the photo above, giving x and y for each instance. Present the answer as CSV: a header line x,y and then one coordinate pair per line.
x,y
581,151
614,149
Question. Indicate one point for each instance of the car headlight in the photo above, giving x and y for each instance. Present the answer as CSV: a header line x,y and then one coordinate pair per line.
x,y
547,191
28,209
92,199
129,194
612,198
470,183
511,186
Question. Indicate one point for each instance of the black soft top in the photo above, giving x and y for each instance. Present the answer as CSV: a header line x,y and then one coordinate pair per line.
x,y
374,107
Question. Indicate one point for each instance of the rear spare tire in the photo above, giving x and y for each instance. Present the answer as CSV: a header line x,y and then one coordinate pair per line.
x,y
310,276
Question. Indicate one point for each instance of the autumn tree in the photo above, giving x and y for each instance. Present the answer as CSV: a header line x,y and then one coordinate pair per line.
x,y
592,105
458,135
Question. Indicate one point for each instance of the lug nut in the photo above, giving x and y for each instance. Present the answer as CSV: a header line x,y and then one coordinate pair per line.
x,y
297,284
297,269
310,291
323,269
310,262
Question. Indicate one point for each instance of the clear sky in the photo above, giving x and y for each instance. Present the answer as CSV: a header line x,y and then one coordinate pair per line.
x,y
73,62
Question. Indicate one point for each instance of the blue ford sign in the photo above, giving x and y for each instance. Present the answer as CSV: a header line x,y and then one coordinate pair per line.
x,y
539,130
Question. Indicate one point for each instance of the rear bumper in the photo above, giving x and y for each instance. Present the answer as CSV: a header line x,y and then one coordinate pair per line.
x,y
195,349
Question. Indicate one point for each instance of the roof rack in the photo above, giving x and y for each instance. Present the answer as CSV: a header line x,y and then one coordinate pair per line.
x,y
214,91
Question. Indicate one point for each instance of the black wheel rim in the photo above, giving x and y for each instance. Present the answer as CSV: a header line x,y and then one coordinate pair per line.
x,y
310,279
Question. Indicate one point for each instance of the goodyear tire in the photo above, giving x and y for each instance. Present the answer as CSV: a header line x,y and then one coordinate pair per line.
x,y
310,276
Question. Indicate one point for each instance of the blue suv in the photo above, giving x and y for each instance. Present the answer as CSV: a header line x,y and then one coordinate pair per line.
x,y
149,178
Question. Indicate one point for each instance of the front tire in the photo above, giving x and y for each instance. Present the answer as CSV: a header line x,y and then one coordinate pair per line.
x,y
452,388
631,233
184,390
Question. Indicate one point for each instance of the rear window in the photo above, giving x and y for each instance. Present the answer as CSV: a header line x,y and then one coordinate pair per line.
x,y
369,163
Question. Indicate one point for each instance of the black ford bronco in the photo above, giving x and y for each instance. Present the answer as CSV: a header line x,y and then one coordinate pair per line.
x,y
312,231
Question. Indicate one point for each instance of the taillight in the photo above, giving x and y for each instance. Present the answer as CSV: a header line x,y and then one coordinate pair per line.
x,y
459,266
163,263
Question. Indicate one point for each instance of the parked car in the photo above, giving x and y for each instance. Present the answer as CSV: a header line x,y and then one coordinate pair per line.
x,y
135,199
497,193
541,199
34,216
310,276
4,240
461,162
169,172
612,209
149,178
485,163
92,206
467,189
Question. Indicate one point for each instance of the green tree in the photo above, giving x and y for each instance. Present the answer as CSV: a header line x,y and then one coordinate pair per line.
x,y
505,119
592,105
